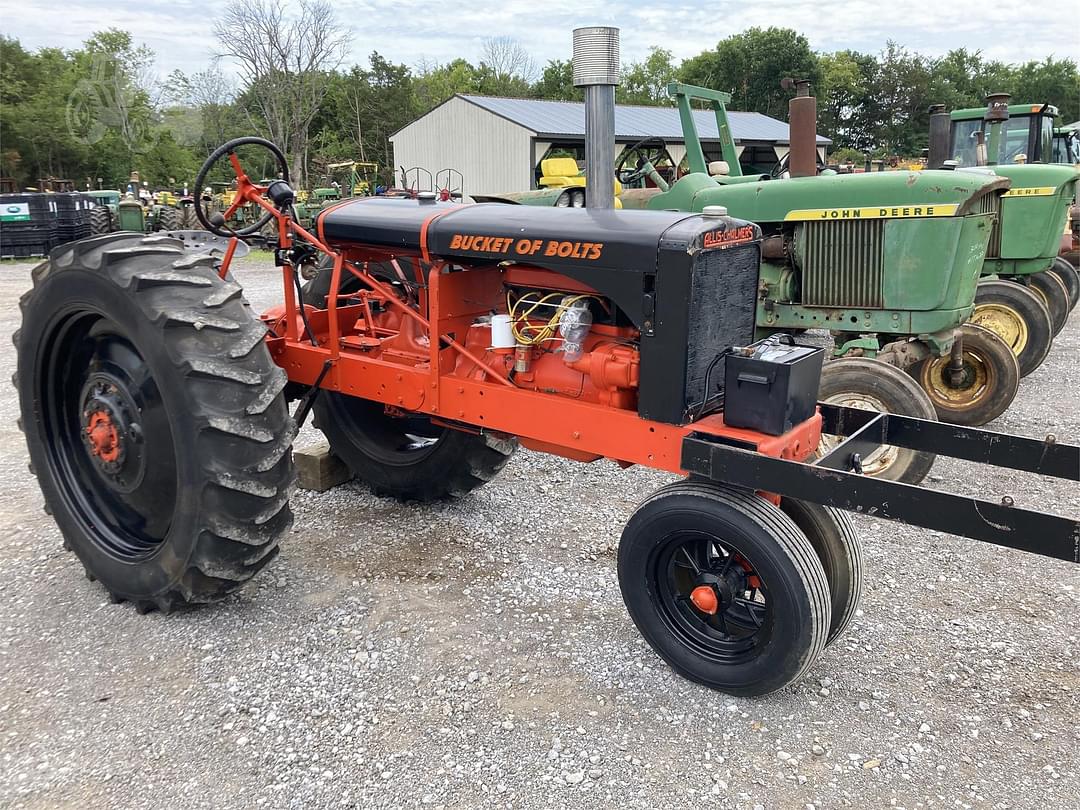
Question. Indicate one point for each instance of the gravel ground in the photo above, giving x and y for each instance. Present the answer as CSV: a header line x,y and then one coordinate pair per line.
x,y
477,654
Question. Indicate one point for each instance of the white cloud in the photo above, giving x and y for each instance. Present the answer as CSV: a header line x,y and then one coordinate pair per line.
x,y
180,31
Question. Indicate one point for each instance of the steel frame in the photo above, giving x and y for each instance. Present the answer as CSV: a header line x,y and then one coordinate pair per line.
x,y
833,481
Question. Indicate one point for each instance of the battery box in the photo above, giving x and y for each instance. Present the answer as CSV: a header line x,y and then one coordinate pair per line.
x,y
771,385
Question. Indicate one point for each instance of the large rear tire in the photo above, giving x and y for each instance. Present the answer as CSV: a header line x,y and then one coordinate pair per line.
x,y
154,419
168,219
100,220
859,382
408,458
1017,316
724,587
988,384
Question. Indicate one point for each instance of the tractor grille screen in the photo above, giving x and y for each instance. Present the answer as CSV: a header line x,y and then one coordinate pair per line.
x,y
842,263
991,204
723,300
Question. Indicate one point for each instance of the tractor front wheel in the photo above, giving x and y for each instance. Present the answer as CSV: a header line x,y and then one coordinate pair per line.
x,y
408,457
1069,277
859,382
1017,316
154,419
1052,291
837,545
981,389
724,587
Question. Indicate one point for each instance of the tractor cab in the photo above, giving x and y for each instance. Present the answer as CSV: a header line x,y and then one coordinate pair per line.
x,y
1067,144
1019,133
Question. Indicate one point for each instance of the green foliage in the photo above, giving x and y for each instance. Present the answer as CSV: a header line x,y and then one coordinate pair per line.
x,y
646,82
89,113
750,66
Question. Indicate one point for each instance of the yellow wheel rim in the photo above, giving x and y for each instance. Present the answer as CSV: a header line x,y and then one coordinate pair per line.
x,y
1004,321
977,382
880,459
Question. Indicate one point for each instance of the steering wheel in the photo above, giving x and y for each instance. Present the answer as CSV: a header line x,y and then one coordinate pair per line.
x,y
649,150
218,223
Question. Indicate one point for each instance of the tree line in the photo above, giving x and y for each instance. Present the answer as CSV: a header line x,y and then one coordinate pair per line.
x,y
96,113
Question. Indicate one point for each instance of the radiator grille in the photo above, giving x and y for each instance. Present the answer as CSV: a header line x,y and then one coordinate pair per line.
x,y
991,204
842,263
723,300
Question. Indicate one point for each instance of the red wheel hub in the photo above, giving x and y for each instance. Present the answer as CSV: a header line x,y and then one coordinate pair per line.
x,y
104,438
705,599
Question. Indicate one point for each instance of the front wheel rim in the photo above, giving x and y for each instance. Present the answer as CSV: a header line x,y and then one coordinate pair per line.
x,y
741,625
1005,322
977,382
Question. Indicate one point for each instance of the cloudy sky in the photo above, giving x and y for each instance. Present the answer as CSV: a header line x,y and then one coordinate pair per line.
x,y
180,31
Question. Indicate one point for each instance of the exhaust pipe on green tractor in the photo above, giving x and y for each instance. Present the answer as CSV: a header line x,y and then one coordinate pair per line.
x,y
802,129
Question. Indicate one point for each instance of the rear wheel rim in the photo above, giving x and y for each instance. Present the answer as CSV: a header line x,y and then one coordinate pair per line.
x,y
111,451
742,624
1005,322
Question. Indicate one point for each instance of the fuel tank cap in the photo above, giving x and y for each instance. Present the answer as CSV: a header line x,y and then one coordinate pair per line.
x,y
714,211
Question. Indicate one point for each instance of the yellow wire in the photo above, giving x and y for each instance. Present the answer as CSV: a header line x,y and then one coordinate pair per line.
x,y
548,330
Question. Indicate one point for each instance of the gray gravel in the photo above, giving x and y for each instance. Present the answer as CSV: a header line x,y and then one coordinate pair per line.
x,y
477,654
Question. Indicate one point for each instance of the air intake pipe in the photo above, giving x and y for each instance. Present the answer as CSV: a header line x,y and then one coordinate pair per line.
x,y
802,129
596,68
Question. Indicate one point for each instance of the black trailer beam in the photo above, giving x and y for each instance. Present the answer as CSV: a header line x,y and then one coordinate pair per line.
x,y
830,483
1045,457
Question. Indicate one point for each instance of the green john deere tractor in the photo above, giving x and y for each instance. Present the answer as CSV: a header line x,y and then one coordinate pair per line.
x,y
1027,291
887,262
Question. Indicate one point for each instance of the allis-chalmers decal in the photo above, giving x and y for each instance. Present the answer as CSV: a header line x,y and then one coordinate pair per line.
x,y
883,212
589,251
734,236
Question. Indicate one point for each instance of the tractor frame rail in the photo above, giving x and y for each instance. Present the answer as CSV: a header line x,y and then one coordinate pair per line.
x,y
834,481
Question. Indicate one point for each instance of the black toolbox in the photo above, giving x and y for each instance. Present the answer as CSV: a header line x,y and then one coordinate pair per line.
x,y
771,385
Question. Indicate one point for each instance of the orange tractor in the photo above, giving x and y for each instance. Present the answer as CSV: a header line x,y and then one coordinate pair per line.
x,y
154,404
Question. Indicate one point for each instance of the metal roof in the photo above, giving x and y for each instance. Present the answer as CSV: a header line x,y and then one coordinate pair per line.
x,y
567,119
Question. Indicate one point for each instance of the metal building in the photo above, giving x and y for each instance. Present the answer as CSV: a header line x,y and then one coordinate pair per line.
x,y
497,143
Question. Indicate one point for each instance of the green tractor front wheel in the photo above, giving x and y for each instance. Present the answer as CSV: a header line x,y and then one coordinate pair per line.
x,y
873,385
981,388
1052,291
1019,317
1070,277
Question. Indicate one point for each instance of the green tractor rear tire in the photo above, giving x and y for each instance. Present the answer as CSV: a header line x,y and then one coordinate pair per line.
x,y
1070,277
859,382
988,382
154,418
1053,292
1019,317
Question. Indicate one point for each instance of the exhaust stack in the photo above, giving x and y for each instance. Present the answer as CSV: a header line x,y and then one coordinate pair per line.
x,y
997,113
802,129
596,68
938,151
